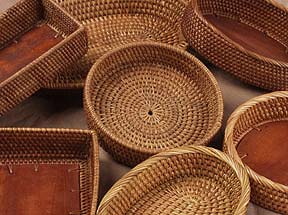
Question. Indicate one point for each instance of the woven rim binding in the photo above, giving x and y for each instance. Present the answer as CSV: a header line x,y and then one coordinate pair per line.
x,y
230,145
161,157
96,121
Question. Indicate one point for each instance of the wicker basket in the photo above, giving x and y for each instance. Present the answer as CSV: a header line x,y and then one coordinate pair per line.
x,y
188,180
263,67
144,98
35,164
19,19
264,109
113,23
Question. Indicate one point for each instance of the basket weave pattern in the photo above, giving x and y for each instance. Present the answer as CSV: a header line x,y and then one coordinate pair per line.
x,y
144,98
194,180
263,109
49,146
113,23
29,79
223,52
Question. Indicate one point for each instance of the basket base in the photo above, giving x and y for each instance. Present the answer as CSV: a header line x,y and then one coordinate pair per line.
x,y
265,150
39,189
28,47
249,38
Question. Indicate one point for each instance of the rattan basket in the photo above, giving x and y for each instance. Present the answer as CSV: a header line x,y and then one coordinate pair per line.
x,y
14,23
144,98
263,67
37,167
188,180
264,109
113,23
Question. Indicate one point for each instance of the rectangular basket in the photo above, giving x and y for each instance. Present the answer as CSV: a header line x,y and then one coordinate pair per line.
x,y
51,170
24,69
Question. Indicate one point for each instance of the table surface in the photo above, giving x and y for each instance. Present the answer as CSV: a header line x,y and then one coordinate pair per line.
x,y
52,109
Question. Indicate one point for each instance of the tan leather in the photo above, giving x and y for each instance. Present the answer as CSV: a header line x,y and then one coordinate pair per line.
x,y
267,149
39,190
250,38
29,47
5,4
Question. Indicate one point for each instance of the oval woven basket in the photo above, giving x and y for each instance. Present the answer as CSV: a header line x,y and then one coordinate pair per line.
x,y
188,180
263,109
111,23
144,98
256,54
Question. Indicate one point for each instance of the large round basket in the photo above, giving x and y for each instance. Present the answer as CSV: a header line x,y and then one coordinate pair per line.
x,y
247,38
188,180
253,117
144,98
111,23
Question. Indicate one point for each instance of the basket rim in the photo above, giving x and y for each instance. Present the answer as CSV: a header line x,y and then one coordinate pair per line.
x,y
23,70
231,149
90,109
237,168
195,7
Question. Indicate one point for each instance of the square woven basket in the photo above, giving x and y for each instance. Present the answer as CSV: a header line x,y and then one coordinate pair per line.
x,y
48,171
20,20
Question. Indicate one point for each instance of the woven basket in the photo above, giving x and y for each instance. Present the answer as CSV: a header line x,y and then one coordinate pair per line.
x,y
23,150
144,98
113,23
19,19
188,180
267,108
231,55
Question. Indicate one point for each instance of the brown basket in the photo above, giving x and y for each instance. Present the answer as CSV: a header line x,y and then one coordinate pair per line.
x,y
190,180
51,170
19,21
258,111
144,98
113,23
256,54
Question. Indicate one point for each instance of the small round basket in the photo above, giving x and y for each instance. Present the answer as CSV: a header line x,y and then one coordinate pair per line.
x,y
189,180
255,116
144,98
112,23
239,37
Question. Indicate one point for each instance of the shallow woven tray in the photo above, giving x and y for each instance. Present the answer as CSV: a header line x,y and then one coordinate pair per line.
x,y
231,54
35,154
188,180
267,108
19,19
144,98
113,23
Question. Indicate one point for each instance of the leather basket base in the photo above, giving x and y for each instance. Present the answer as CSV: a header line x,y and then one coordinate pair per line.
x,y
39,189
265,150
249,38
28,47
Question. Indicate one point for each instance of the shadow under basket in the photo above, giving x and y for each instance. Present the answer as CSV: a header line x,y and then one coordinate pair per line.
x,y
37,41
110,24
188,180
239,37
48,171
257,136
146,97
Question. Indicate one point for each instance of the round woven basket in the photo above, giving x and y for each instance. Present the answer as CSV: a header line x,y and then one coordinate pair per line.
x,y
144,98
111,23
250,65
264,109
188,180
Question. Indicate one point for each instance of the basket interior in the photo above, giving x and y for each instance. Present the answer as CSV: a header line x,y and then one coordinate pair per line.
x,y
257,26
261,138
153,97
48,172
29,29
180,184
